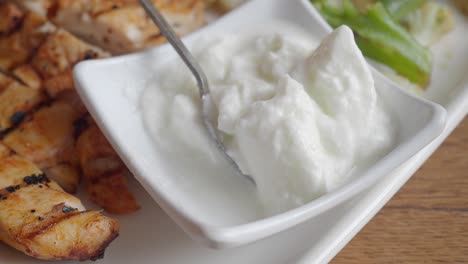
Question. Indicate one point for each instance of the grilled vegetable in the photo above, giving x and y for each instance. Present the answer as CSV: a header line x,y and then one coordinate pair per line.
x,y
430,23
381,38
401,8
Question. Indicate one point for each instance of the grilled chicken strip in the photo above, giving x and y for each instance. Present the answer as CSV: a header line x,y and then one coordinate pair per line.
x,y
118,26
55,58
48,141
47,56
47,138
4,151
104,173
16,100
11,18
39,53
28,75
41,220
24,35
66,175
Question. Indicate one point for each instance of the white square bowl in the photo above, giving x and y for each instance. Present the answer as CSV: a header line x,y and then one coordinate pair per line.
x,y
208,212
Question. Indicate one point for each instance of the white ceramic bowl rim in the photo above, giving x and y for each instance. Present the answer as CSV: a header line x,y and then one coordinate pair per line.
x,y
244,233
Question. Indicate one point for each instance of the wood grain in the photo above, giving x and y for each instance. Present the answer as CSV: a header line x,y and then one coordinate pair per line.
x,y
427,220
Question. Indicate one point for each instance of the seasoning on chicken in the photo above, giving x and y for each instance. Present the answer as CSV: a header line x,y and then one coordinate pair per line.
x,y
119,26
44,126
46,65
21,40
41,220
47,140
56,57
16,100
104,173
39,53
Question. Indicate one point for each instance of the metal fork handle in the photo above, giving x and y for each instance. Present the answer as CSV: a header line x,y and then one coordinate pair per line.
x,y
202,81
178,45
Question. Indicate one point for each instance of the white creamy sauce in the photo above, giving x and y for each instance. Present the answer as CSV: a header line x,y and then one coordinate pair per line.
x,y
295,117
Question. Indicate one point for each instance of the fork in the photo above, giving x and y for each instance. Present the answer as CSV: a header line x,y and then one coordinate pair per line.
x,y
195,68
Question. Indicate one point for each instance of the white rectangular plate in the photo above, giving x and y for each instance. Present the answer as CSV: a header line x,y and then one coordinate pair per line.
x,y
149,236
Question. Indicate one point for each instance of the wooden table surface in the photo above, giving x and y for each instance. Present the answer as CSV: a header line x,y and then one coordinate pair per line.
x,y
427,220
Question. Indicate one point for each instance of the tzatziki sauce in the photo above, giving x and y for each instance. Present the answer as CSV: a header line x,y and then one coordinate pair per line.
x,y
296,115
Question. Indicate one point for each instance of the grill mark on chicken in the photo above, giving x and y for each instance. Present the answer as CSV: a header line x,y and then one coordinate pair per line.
x,y
32,227
11,76
16,101
120,26
48,220
40,66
